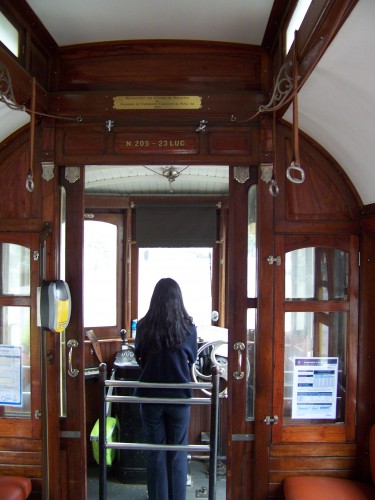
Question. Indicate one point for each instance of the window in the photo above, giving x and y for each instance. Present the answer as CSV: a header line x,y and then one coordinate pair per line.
x,y
103,274
296,21
318,277
15,331
316,336
190,267
9,35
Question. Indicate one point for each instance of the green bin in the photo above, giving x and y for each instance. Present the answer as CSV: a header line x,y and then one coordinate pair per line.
x,y
111,434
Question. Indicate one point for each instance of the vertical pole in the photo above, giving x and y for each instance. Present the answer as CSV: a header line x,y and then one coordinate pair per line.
x,y
102,434
214,433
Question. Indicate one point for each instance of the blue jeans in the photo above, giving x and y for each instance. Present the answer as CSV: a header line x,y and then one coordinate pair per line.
x,y
166,470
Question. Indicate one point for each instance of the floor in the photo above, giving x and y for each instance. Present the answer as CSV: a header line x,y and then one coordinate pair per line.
x,y
197,483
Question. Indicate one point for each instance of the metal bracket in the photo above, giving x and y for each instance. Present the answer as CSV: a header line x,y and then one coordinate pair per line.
x,y
48,170
241,174
271,420
266,170
72,174
274,260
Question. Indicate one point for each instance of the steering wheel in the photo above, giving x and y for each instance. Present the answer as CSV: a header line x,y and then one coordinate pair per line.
x,y
207,357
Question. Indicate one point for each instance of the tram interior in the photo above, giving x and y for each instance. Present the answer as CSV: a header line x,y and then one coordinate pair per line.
x,y
114,114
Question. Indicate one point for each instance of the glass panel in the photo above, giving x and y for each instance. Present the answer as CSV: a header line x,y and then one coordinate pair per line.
x,y
252,242
318,335
250,364
15,269
295,22
316,274
8,35
190,267
15,331
100,273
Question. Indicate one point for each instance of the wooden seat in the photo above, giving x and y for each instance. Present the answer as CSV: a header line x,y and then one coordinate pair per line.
x,y
330,488
14,488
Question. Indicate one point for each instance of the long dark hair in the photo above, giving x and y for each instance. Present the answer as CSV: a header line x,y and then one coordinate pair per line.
x,y
166,322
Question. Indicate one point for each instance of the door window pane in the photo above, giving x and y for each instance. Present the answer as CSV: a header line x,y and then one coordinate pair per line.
x,y
316,274
315,334
15,331
252,242
250,364
15,269
100,273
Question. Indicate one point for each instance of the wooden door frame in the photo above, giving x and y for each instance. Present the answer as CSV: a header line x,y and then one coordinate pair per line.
x,y
248,441
73,475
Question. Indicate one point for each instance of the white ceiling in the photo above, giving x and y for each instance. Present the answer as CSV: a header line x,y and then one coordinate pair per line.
x,y
145,179
336,105
84,21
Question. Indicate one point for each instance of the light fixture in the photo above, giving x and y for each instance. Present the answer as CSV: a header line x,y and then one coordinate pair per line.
x,y
170,173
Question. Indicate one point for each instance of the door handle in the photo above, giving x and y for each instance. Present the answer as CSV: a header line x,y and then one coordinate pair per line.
x,y
72,372
239,347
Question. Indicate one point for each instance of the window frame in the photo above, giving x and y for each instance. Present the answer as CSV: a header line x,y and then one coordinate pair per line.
x,y
112,331
329,432
27,427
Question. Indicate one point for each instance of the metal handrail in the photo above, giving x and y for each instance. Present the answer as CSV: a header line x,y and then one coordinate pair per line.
x,y
213,401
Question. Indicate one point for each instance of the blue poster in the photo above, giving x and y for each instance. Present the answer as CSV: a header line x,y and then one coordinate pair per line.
x,y
10,375
315,388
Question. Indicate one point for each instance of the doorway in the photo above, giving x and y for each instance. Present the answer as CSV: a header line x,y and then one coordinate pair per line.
x,y
200,270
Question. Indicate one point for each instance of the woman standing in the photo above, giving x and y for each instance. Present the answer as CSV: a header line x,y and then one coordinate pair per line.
x,y
166,348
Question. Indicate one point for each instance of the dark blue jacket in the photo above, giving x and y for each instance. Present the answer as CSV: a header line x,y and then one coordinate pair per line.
x,y
167,366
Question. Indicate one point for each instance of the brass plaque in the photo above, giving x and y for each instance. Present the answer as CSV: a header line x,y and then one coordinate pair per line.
x,y
157,102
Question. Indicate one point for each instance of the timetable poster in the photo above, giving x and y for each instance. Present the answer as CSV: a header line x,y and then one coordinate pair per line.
x,y
10,375
315,388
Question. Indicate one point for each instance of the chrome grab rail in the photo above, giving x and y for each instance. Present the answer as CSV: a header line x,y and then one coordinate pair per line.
x,y
214,433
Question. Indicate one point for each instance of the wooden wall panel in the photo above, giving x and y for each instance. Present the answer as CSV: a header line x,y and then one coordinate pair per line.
x,y
181,66
93,145
22,457
323,459
366,347
325,202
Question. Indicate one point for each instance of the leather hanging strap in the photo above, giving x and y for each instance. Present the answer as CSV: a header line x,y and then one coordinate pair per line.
x,y
295,104
95,344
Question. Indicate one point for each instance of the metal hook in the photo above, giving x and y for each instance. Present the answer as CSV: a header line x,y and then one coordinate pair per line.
x,y
297,168
273,188
29,183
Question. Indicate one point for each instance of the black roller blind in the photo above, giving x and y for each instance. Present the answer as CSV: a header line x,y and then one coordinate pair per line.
x,y
175,225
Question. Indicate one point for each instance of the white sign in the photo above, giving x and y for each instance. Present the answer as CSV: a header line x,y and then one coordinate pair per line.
x,y
315,387
10,375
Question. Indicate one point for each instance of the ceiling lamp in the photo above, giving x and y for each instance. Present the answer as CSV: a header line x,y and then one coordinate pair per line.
x,y
170,173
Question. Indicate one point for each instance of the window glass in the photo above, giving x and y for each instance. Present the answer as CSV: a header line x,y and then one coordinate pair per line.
x,y
15,269
250,364
9,35
15,331
296,21
315,335
316,274
100,273
190,267
252,242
